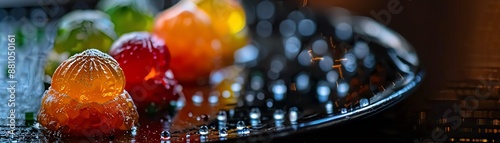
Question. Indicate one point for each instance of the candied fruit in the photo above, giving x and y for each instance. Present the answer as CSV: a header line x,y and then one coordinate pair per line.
x,y
228,21
78,31
145,60
87,97
125,12
195,47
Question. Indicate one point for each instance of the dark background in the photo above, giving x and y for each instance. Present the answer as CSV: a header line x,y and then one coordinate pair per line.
x,y
458,44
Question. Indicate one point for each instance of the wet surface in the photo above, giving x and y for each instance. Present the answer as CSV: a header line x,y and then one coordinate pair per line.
x,y
414,119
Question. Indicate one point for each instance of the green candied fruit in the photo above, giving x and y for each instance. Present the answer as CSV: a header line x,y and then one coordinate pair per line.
x,y
78,31
129,15
84,29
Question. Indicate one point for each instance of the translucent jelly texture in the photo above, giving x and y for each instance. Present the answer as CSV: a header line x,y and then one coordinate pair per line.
x,y
228,21
78,31
91,76
141,55
145,60
86,97
188,33
84,29
201,38
125,12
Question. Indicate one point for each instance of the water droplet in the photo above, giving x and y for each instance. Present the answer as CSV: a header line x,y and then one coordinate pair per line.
x,y
302,81
265,10
287,27
256,83
133,131
269,103
203,130
342,89
264,29
332,76
361,49
279,87
304,58
204,117
222,116
190,114
292,47
255,113
320,47
240,125
213,99
323,89
197,98
350,62
329,107
165,135
246,54
343,31
369,61
250,97
343,110
363,102
306,27
223,132
278,114
293,115
326,63
236,87
245,130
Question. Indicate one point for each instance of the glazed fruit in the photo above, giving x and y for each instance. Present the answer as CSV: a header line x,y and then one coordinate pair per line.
x,y
188,33
145,60
129,15
78,31
87,97
229,23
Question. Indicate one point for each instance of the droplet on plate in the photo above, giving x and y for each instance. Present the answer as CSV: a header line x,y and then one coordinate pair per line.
x,y
320,47
265,10
203,130
363,102
293,115
204,117
343,31
287,27
165,135
306,27
329,107
269,103
332,76
245,131
349,63
197,98
264,29
342,88
240,125
222,116
323,91
361,49
326,63
343,110
278,114
255,113
223,132
302,81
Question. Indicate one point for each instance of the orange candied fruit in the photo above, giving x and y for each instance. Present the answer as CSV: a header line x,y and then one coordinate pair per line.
x,y
194,46
90,76
87,97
